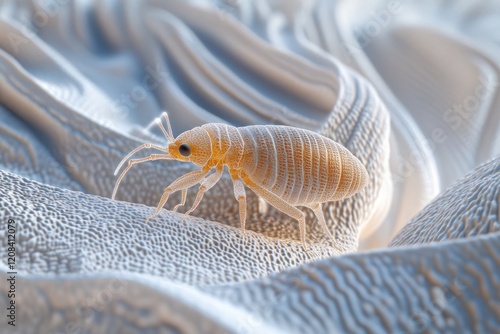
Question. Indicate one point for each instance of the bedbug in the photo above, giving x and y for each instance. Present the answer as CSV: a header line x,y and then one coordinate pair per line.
x,y
286,166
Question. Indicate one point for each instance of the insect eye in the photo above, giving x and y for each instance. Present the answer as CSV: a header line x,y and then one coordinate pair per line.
x,y
185,150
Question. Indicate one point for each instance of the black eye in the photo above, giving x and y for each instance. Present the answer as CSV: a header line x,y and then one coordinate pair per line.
x,y
185,150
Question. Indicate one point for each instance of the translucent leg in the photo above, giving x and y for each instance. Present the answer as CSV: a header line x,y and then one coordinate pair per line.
x,y
318,211
183,200
241,196
281,205
181,183
208,183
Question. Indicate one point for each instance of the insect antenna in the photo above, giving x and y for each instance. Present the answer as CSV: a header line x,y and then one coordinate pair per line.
x,y
134,151
138,161
169,135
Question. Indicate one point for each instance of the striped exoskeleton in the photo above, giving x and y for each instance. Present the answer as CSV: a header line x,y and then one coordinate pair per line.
x,y
286,166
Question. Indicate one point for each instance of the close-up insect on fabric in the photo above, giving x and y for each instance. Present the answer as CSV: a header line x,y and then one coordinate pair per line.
x,y
286,166
241,166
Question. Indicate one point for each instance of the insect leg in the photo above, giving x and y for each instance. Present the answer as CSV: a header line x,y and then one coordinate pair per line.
x,y
239,193
208,183
281,205
183,200
318,211
181,183
137,161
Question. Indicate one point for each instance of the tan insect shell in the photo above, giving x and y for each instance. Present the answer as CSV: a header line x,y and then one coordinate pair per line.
x,y
300,166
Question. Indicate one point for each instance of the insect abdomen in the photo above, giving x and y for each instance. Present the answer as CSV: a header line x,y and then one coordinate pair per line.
x,y
300,166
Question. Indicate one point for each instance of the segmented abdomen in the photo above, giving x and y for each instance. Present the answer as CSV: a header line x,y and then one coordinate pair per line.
x,y
300,166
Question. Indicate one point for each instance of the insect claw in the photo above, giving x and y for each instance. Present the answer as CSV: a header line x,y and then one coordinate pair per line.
x,y
149,218
184,217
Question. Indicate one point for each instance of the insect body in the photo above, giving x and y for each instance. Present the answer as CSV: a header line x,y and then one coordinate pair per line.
x,y
286,166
